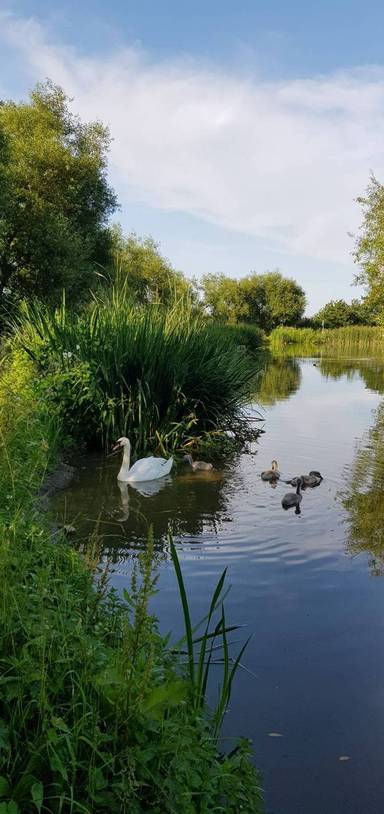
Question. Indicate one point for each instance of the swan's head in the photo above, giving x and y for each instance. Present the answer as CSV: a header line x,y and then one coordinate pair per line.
x,y
121,443
274,465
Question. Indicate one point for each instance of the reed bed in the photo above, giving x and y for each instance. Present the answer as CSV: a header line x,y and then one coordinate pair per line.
x,y
360,338
157,375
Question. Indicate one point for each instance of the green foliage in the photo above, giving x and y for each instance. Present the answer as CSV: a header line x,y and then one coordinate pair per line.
x,y
157,375
338,314
369,248
250,336
96,711
265,300
149,276
55,199
285,300
355,337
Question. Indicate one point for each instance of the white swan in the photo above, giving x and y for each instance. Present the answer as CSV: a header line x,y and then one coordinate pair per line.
x,y
143,470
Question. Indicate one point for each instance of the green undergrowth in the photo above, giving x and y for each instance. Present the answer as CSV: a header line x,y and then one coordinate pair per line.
x,y
97,711
250,336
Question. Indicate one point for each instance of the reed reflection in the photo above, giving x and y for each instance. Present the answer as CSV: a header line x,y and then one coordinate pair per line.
x,y
363,498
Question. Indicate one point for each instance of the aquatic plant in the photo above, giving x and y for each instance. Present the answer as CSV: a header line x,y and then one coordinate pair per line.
x,y
154,374
96,708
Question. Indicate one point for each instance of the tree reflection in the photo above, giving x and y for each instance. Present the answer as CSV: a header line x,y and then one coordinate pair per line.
x,y
363,499
279,379
370,371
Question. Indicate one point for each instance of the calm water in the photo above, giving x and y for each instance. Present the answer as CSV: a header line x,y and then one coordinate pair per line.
x,y
310,588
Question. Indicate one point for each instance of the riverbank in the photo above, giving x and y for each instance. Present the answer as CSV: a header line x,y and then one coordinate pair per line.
x,y
95,710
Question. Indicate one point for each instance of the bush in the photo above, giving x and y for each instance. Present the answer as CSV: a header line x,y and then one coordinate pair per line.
x,y
250,336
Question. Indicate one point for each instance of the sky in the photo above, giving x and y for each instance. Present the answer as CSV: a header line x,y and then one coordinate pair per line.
x,y
243,132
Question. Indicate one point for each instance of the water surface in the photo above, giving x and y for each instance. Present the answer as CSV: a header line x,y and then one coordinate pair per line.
x,y
309,588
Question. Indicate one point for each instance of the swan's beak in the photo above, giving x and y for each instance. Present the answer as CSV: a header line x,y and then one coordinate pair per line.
x,y
116,447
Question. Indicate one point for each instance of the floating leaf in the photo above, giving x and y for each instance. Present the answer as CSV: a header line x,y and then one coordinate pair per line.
x,y
275,735
344,757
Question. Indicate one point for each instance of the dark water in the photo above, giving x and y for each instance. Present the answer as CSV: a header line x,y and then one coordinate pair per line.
x,y
310,588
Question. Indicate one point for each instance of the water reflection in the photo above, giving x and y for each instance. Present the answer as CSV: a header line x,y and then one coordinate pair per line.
x,y
370,371
363,499
279,379
189,502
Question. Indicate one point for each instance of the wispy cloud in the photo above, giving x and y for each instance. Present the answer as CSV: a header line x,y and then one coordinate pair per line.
x,y
279,160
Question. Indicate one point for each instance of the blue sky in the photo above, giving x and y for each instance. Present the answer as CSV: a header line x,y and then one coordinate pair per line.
x,y
242,131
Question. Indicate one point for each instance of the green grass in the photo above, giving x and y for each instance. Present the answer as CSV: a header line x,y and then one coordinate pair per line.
x,y
158,376
354,338
97,711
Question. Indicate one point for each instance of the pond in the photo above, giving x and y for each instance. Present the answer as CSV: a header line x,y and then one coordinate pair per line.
x,y
308,587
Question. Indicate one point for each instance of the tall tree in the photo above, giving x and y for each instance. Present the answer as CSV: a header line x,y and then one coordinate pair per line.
x,y
369,248
150,276
54,196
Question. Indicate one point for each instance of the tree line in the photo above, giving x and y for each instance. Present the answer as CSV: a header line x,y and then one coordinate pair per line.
x,y
56,206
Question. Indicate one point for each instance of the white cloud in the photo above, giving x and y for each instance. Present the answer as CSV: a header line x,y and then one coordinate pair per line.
x,y
279,160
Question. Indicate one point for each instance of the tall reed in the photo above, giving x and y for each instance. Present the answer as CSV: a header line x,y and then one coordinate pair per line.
x,y
361,338
151,373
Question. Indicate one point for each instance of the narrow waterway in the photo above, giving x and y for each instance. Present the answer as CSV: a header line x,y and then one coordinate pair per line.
x,y
308,587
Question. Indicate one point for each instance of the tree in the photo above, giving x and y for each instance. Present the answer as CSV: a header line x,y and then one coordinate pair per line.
x,y
284,300
223,297
369,248
149,276
54,197
266,300
338,313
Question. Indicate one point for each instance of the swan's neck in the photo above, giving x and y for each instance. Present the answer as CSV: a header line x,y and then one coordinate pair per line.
x,y
126,458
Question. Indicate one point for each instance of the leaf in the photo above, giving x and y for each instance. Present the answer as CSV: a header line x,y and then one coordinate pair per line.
x,y
37,792
168,695
275,735
344,757
4,787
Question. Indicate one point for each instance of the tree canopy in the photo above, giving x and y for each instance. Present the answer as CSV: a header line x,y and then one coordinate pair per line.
x,y
369,248
338,313
150,276
54,196
267,300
